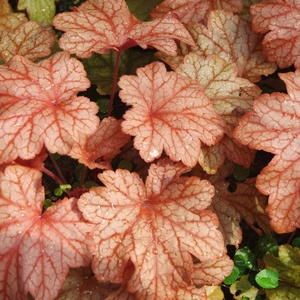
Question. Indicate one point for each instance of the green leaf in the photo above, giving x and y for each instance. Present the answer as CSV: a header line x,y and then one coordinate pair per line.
x,y
245,258
243,289
41,11
240,173
296,242
100,67
141,9
264,245
62,189
89,184
125,164
267,278
287,264
233,276
103,105
47,203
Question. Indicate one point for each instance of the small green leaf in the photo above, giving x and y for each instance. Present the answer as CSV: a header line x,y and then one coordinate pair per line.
x,y
62,189
65,187
267,279
100,67
58,192
245,258
240,173
41,11
125,165
89,184
56,156
264,245
296,242
103,105
233,276
47,203
141,9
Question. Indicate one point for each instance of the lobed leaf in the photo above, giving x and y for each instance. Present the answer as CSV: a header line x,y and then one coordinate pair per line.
x,y
29,39
100,67
156,225
281,20
274,127
243,288
169,112
231,38
212,273
101,26
9,19
231,96
288,267
41,11
81,284
37,249
245,201
196,10
39,106
98,150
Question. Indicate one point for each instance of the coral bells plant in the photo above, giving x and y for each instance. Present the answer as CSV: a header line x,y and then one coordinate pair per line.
x,y
129,133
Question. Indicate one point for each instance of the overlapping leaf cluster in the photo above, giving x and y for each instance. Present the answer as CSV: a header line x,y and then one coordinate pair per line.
x,y
160,236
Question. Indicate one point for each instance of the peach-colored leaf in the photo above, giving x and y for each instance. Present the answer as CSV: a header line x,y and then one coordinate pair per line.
x,y
156,225
204,293
37,249
195,10
213,157
101,26
169,112
39,106
98,150
212,272
231,38
9,19
229,94
81,284
30,39
191,292
274,127
282,19
245,202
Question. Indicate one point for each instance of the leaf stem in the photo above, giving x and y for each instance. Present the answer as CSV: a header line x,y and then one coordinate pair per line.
x,y
82,176
60,174
52,175
114,83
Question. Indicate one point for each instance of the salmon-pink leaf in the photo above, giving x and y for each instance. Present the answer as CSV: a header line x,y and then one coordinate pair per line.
x,y
245,202
282,19
156,226
204,293
39,106
101,26
212,272
195,10
274,127
30,40
232,39
169,112
37,249
81,284
98,150
229,94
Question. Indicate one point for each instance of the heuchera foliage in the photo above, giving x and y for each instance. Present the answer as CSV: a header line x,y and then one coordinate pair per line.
x,y
186,121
